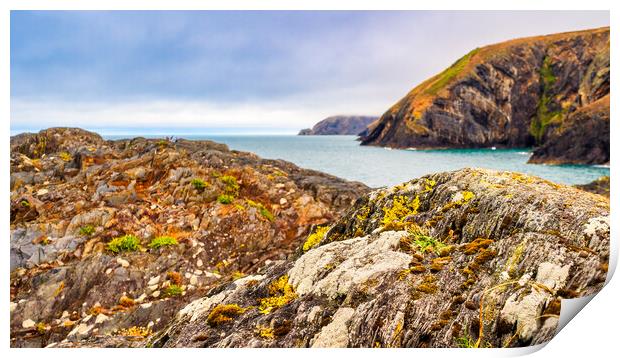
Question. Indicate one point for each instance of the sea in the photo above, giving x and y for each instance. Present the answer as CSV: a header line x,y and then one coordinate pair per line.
x,y
344,157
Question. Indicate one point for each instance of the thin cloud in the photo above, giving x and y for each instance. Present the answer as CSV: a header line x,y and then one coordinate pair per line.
x,y
281,70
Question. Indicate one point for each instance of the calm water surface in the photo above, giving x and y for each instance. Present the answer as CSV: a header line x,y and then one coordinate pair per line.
x,y
344,157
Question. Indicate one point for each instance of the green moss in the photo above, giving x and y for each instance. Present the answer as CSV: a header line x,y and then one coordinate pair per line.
x,y
261,209
466,341
419,240
124,244
25,203
394,216
225,199
87,230
315,238
449,74
173,290
199,184
544,116
160,241
223,313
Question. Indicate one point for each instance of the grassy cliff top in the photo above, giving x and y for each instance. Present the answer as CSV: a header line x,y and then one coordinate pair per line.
x,y
422,96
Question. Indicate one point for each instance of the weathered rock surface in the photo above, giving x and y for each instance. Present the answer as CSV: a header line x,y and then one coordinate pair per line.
x,y
598,186
467,258
73,192
520,93
340,125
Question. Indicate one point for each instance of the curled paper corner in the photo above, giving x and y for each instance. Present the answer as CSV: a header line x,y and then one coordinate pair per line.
x,y
570,308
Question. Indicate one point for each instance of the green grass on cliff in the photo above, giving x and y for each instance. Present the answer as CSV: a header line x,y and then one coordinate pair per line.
x,y
544,116
124,244
449,73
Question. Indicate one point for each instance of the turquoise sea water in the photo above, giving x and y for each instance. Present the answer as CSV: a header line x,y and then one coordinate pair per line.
x,y
344,157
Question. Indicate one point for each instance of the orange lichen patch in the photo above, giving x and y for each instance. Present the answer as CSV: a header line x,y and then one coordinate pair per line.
x,y
175,277
476,245
126,301
484,255
428,284
135,331
438,263
224,313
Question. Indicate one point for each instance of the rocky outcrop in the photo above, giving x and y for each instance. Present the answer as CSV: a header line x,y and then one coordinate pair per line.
x,y
112,238
340,125
518,93
582,138
598,186
472,258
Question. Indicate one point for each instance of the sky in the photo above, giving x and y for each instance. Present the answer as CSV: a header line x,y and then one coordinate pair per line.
x,y
217,72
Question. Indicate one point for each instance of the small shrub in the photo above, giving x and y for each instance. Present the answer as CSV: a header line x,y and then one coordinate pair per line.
x,y
315,238
225,199
160,241
223,313
231,183
124,243
173,290
87,230
199,184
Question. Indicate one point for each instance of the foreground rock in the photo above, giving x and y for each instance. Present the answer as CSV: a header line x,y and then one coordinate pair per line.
x,y
472,258
520,93
340,125
599,186
112,238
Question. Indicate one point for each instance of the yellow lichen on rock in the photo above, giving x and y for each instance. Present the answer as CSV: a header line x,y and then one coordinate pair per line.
x,y
280,293
394,216
315,238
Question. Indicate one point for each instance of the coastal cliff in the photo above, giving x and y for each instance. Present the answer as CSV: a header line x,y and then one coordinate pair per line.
x,y
114,237
340,125
520,93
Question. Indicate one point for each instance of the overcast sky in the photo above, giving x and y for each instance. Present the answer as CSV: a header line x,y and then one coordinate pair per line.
x,y
268,72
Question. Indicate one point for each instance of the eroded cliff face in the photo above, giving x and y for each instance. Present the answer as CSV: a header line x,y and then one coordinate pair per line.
x,y
472,258
583,137
513,94
199,213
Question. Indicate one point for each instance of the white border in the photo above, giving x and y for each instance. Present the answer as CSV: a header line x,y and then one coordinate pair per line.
x,y
592,333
